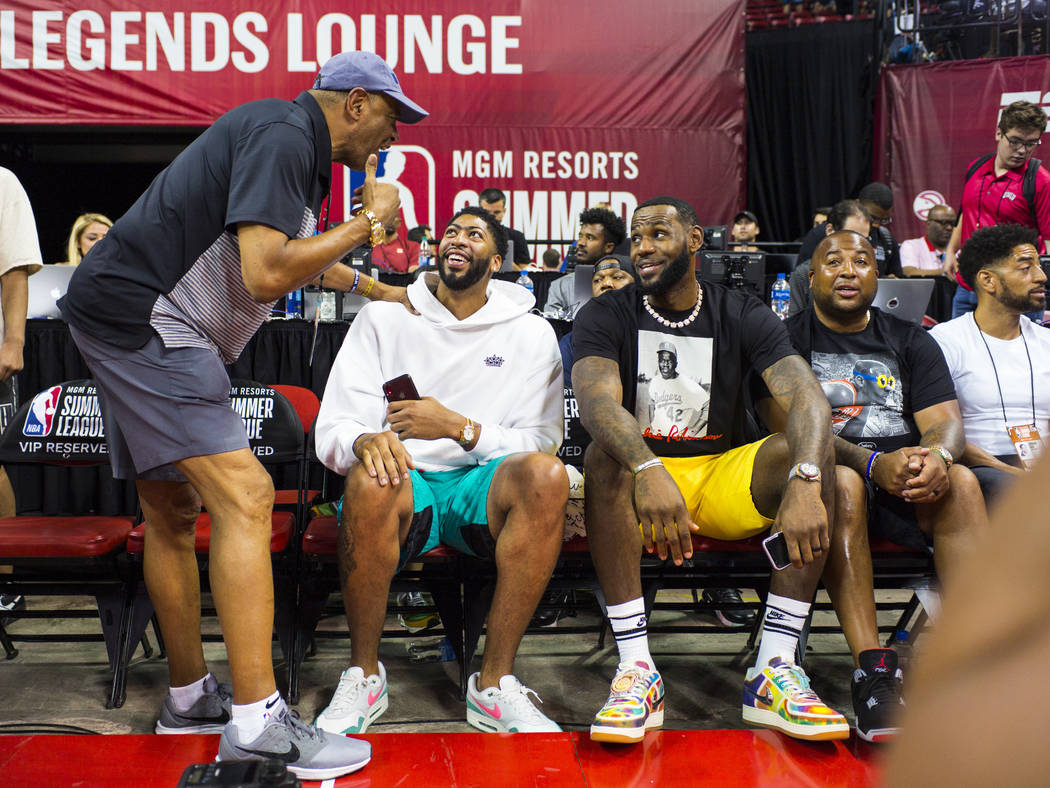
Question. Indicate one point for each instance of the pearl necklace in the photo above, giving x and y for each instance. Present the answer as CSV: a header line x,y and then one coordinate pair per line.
x,y
663,321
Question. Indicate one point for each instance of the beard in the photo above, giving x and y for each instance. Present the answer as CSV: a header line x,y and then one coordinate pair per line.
x,y
670,276
1022,302
465,279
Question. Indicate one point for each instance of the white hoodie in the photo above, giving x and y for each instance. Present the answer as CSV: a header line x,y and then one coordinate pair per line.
x,y
500,367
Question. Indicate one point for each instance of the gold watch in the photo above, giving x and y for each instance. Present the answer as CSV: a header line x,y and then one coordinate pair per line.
x,y
466,434
378,233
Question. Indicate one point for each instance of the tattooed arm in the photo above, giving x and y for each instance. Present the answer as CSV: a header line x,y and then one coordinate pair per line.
x,y
658,503
803,511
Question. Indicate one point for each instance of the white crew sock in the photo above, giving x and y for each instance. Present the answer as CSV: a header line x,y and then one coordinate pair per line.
x,y
629,628
250,718
185,697
781,629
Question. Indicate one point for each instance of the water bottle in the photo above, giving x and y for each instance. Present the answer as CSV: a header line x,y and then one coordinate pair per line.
x,y
780,296
424,252
525,282
293,304
903,648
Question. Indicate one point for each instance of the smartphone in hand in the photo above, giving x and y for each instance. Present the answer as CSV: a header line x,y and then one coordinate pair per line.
x,y
776,550
400,388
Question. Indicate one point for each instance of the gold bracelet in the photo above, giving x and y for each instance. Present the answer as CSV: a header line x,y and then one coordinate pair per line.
x,y
378,233
368,289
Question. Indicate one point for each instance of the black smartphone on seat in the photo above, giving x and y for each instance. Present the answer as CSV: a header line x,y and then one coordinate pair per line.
x,y
776,550
400,388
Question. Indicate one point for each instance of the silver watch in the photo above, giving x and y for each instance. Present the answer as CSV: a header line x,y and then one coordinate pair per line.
x,y
806,471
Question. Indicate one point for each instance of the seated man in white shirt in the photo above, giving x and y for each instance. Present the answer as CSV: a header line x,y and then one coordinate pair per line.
x,y
471,464
998,358
925,256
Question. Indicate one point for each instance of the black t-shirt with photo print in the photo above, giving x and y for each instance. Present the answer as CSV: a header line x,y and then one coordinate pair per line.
x,y
684,385
875,379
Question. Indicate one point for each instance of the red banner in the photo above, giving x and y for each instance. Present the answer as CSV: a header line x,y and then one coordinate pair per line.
x,y
559,104
933,120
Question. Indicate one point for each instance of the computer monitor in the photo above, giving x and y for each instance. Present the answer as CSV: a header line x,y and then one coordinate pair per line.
x,y
743,270
716,238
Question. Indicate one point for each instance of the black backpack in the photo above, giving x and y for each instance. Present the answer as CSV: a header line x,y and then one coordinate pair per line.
x,y
1027,185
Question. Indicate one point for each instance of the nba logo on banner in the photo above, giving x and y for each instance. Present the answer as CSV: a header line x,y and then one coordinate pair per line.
x,y
42,413
409,168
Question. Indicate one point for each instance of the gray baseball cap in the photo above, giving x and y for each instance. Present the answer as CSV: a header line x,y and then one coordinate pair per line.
x,y
349,70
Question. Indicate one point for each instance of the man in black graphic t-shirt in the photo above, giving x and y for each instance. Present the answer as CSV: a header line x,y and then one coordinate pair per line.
x,y
897,424
651,464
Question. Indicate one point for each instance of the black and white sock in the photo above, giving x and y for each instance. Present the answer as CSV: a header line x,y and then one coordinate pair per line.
x,y
629,627
781,629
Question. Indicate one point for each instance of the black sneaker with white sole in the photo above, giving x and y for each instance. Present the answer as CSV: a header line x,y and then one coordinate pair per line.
x,y
209,714
876,687
308,752
730,613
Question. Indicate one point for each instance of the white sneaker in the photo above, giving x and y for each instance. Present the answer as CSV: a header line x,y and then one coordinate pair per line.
x,y
506,709
357,703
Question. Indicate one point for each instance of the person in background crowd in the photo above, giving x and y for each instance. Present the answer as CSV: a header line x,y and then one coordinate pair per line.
x,y
419,232
88,229
744,232
898,427
393,254
998,358
19,258
494,201
651,489
820,215
173,292
877,199
844,215
925,256
551,260
601,231
1005,187
470,465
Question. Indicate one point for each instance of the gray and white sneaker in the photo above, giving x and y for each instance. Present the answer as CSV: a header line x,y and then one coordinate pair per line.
x,y
209,714
307,751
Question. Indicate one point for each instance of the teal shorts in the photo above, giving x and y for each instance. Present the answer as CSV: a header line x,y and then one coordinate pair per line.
x,y
449,508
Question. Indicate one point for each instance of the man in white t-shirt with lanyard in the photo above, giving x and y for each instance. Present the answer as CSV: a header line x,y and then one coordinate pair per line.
x,y
999,359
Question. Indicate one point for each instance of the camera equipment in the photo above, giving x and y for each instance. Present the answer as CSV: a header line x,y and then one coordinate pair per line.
x,y
742,270
716,238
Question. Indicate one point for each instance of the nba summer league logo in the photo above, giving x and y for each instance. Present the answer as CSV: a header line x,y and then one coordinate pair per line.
x,y
41,414
409,168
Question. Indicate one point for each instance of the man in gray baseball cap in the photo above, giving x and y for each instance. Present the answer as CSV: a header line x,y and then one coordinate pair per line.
x,y
186,278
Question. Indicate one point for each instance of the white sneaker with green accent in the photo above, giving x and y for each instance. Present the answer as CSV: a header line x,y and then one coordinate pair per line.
x,y
358,701
506,709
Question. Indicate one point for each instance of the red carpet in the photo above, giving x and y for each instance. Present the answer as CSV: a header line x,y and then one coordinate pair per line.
x,y
425,760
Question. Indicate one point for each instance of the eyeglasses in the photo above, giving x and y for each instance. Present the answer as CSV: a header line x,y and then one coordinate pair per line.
x,y
1018,144
943,222
882,381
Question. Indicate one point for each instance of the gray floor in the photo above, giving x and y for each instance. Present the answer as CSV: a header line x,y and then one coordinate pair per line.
x,y
67,683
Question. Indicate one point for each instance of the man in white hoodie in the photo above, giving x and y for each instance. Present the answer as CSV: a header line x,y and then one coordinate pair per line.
x,y
471,464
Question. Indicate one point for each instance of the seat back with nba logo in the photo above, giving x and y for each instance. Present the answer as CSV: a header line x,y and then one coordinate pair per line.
x,y
70,555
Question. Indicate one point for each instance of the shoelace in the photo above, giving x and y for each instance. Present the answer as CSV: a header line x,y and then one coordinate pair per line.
x,y
797,682
300,730
883,687
346,695
521,703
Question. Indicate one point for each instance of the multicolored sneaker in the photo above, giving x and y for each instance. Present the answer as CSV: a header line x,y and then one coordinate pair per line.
x,y
416,622
778,696
357,703
635,705
506,709
876,690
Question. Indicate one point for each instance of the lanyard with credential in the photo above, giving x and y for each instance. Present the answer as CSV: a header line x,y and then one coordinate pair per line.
x,y
1031,372
327,208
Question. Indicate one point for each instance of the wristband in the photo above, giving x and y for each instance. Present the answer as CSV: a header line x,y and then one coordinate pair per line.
x,y
357,278
871,464
378,234
647,464
367,290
